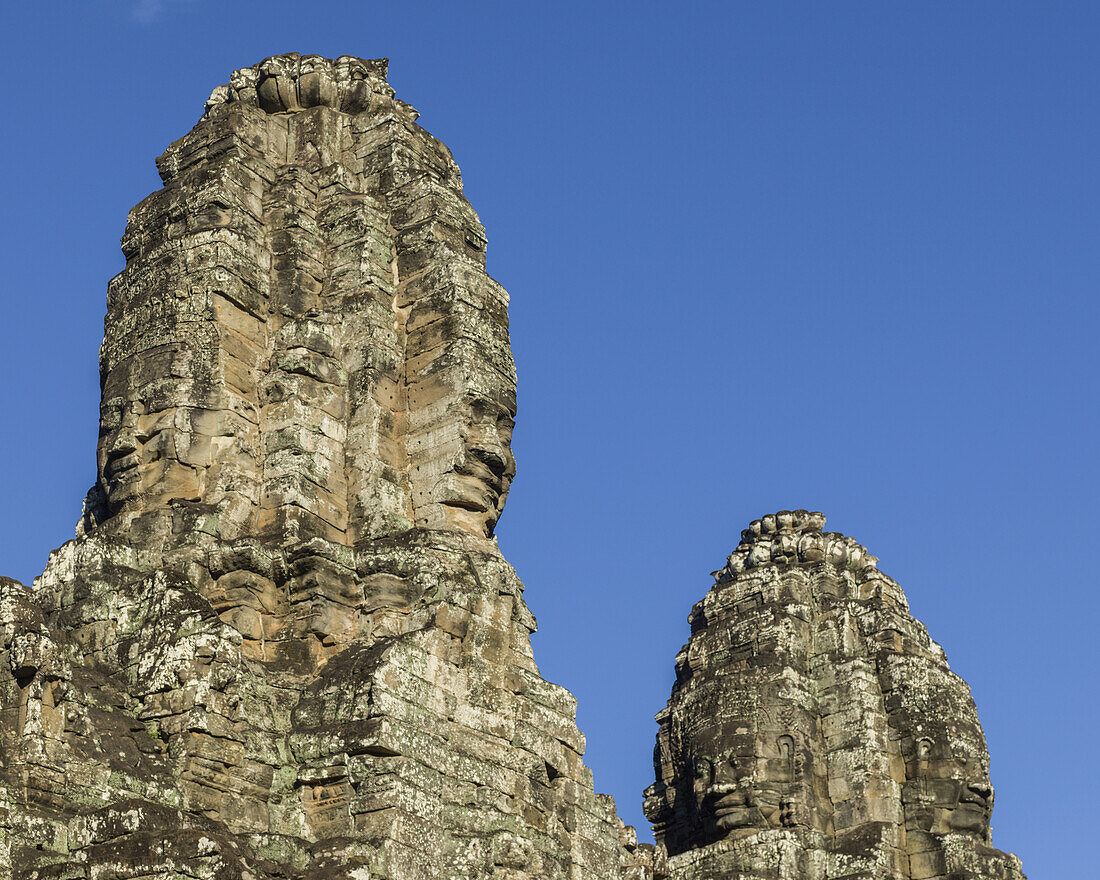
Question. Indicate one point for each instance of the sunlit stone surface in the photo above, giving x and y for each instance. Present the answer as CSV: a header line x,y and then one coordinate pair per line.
x,y
284,643
815,730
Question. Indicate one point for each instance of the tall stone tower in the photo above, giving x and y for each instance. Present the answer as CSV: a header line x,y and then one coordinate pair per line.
x,y
815,731
284,642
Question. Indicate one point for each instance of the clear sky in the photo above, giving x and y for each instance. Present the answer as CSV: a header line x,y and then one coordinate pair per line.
x,y
835,255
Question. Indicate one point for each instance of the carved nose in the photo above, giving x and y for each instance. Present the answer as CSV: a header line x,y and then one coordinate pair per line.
x,y
491,455
123,444
728,794
484,444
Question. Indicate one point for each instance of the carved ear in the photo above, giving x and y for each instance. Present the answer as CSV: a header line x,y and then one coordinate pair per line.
x,y
786,754
702,768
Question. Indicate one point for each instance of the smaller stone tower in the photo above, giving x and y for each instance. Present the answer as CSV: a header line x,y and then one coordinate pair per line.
x,y
815,731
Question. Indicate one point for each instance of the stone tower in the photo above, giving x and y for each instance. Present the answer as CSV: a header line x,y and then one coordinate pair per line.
x,y
815,731
284,642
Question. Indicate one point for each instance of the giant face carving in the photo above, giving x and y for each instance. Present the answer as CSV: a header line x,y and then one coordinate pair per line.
x,y
161,415
746,773
724,797
474,490
954,786
735,751
138,453
948,788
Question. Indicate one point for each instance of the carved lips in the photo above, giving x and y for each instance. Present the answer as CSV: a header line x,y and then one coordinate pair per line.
x,y
730,805
973,808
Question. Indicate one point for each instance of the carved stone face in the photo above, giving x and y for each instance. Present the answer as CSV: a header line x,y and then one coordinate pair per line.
x,y
139,444
948,788
723,795
130,451
474,491
744,776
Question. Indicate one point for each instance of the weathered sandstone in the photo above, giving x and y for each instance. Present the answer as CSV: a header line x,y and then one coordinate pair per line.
x,y
815,731
284,642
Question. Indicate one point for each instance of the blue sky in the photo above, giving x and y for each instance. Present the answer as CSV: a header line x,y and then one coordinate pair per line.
x,y
838,256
